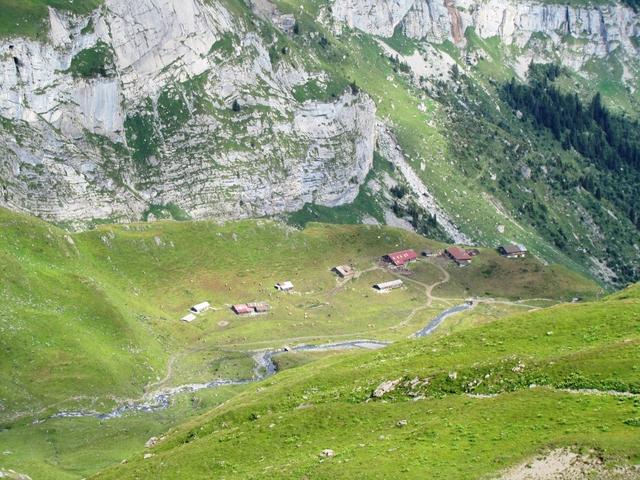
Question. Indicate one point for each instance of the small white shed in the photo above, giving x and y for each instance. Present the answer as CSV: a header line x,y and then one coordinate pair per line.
x,y
188,318
284,286
200,307
385,287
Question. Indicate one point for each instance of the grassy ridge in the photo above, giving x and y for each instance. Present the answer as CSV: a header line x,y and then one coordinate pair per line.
x,y
281,428
29,18
91,319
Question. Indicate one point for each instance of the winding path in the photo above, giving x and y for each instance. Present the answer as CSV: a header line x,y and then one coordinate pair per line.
x,y
428,290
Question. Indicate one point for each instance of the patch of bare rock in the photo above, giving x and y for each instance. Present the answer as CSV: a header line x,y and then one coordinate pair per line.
x,y
563,464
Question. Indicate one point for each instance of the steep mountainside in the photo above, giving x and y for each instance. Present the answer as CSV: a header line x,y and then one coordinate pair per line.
x,y
118,111
169,75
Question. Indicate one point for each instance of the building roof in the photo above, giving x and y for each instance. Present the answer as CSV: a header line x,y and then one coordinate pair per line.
x,y
285,285
400,258
459,254
260,307
242,308
344,270
200,307
388,285
511,249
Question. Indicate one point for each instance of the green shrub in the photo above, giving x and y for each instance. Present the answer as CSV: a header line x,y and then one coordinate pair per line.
x,y
93,62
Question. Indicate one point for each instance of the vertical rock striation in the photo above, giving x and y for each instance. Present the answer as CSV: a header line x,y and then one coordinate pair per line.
x,y
603,28
156,126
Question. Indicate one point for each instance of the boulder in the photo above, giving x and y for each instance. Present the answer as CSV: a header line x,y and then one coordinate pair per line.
x,y
152,442
385,387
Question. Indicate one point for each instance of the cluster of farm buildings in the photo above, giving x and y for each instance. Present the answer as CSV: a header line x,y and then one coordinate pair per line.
x,y
462,257
252,308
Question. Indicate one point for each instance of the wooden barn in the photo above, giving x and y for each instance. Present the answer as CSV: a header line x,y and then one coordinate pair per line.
x,y
250,308
400,259
513,251
458,255
284,286
344,271
259,307
242,309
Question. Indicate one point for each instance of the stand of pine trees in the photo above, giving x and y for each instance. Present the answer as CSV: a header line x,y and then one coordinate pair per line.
x,y
611,142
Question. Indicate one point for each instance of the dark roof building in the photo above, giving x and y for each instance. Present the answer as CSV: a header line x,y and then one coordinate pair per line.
x,y
513,251
248,308
458,255
401,258
259,307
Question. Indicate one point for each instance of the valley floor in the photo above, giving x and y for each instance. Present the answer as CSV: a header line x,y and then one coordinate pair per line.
x,y
104,362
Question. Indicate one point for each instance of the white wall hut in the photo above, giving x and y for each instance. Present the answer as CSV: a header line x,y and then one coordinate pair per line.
x,y
386,286
284,286
200,307
344,271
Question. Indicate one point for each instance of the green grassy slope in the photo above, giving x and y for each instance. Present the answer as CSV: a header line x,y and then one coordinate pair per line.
x,y
28,18
91,318
476,414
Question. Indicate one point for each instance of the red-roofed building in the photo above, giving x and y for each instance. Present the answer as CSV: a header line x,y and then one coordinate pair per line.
x,y
458,255
242,309
401,258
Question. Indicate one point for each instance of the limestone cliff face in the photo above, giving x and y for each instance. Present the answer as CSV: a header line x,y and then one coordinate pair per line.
x,y
158,128
599,29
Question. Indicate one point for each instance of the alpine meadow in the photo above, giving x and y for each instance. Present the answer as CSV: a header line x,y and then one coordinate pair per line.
x,y
320,239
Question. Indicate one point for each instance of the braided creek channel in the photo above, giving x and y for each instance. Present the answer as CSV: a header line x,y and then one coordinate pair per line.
x,y
264,367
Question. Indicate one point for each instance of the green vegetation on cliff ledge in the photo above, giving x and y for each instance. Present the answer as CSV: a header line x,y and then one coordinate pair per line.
x,y
28,18
93,62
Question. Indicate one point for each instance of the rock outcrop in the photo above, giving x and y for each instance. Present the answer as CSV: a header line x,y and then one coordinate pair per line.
x,y
158,127
596,30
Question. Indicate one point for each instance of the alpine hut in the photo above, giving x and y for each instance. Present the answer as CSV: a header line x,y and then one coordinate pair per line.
x,y
260,307
284,286
513,251
400,259
344,271
242,309
458,255
387,286
200,307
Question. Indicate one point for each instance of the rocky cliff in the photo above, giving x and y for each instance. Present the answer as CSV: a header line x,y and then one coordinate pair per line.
x,y
156,123
231,109
576,32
